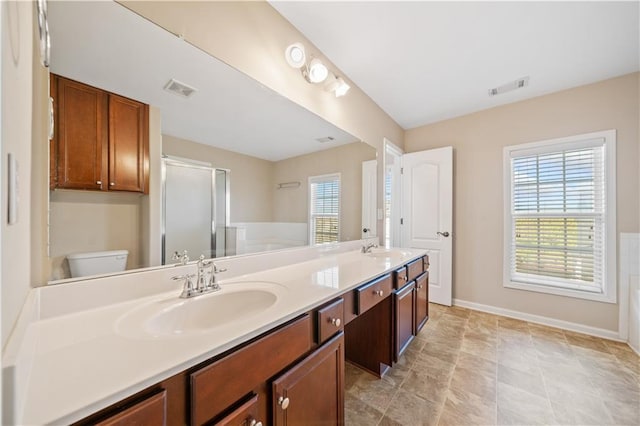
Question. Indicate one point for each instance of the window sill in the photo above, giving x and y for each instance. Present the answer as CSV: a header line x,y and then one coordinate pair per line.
x,y
577,294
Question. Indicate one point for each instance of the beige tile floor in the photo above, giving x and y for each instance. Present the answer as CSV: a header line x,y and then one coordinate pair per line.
x,y
471,368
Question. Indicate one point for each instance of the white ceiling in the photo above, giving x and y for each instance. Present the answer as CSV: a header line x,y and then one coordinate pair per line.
x,y
107,46
424,62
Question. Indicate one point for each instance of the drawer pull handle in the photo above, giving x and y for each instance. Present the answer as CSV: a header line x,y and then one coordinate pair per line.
x,y
283,403
99,182
336,322
379,293
420,286
254,422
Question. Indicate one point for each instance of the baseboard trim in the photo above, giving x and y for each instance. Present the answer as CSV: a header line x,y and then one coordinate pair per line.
x,y
538,319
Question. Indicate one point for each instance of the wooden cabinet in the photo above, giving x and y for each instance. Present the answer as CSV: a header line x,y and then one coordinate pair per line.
x,y
245,415
372,293
292,374
311,393
369,336
101,140
405,318
422,301
150,411
330,320
246,369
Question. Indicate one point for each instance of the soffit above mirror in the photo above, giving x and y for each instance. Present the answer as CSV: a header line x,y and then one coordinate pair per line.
x,y
106,45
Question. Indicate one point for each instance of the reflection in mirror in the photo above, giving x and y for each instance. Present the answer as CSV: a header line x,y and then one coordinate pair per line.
x,y
262,149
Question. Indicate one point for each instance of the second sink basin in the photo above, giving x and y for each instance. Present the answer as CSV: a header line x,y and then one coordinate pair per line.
x,y
387,253
175,317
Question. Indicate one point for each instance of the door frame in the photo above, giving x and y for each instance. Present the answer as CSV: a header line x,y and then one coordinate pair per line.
x,y
392,150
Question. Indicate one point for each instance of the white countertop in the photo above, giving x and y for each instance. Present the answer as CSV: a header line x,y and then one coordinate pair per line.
x,y
82,361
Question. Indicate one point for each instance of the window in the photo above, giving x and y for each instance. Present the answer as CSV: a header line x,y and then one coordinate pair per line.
x,y
324,209
560,216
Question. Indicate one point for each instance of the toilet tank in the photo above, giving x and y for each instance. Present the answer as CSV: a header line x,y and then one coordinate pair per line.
x,y
97,262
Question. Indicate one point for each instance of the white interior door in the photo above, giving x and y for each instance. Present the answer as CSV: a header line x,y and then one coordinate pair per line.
x,y
369,198
427,210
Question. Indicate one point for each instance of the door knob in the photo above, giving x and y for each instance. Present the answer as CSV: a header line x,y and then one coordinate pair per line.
x,y
283,402
444,234
365,230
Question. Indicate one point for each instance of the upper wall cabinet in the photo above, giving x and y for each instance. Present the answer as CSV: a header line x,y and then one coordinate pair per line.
x,y
101,140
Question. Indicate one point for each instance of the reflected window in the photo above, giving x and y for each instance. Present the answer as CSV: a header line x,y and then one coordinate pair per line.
x,y
324,209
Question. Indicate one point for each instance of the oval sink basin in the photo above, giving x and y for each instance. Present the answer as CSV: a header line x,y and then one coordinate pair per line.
x,y
387,253
179,317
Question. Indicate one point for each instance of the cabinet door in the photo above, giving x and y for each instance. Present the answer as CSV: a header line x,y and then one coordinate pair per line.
x,y
151,411
422,301
311,393
404,327
128,144
80,138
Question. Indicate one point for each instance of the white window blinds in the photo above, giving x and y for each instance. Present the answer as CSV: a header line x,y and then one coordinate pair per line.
x,y
558,213
324,209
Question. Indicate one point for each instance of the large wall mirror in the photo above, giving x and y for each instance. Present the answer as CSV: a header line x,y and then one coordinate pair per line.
x,y
250,158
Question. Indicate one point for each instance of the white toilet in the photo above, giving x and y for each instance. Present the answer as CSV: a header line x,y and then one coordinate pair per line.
x,y
97,262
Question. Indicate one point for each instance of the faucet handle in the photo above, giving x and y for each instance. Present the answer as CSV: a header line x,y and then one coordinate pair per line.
x,y
187,285
185,277
216,269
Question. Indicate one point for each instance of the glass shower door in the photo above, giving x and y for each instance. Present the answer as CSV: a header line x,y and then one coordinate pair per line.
x,y
189,208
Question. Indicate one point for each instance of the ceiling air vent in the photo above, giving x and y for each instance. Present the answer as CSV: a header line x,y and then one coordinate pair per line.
x,y
326,139
179,88
517,84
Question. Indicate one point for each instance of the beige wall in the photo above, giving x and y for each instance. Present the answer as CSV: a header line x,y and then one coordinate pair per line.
x,y
16,135
292,205
84,221
251,179
478,140
251,36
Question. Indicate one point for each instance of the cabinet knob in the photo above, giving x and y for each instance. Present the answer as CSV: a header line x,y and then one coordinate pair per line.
x,y
406,278
254,422
283,402
420,286
112,184
336,322
99,182
379,293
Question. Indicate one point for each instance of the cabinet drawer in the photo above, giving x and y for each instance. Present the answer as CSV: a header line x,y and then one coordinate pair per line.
x,y
414,269
370,294
244,415
330,320
400,277
242,371
151,411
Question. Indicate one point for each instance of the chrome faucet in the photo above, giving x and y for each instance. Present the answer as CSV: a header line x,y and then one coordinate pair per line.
x,y
182,258
366,248
206,281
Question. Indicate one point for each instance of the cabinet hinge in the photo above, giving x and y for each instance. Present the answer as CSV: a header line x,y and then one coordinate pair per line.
x,y
401,170
401,221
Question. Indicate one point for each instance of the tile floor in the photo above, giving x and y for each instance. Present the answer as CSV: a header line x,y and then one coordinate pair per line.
x,y
471,368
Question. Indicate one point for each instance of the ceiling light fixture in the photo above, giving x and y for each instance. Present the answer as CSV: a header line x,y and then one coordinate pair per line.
x,y
295,55
314,71
337,85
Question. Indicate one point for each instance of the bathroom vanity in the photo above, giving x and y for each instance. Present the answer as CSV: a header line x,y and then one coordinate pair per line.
x,y
281,362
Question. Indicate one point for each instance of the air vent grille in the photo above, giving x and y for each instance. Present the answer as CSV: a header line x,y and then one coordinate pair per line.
x,y
326,139
179,88
516,84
